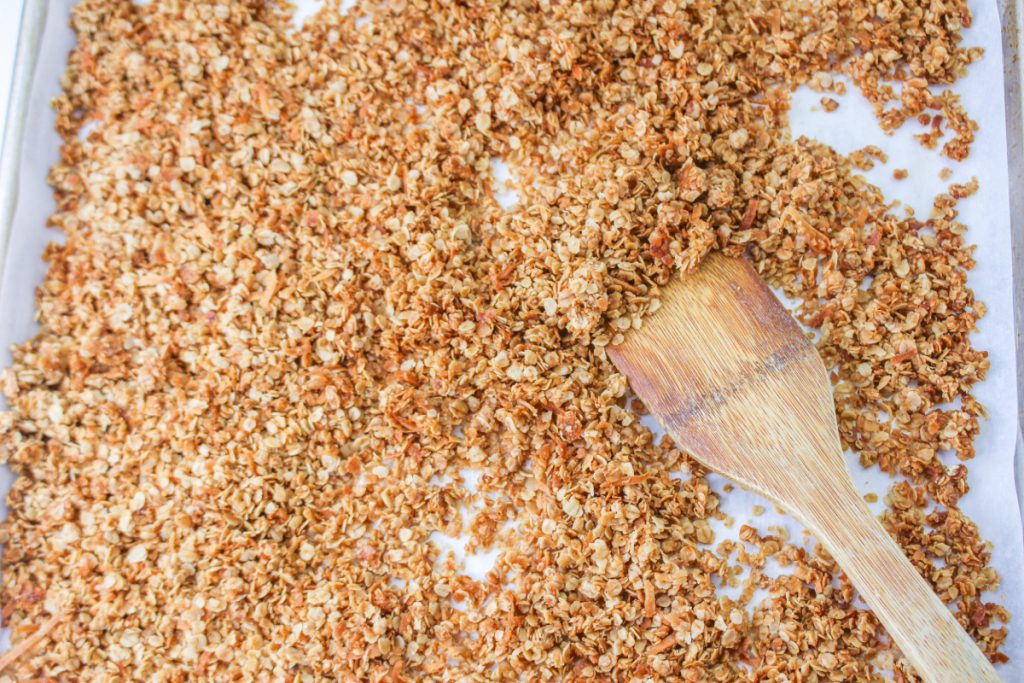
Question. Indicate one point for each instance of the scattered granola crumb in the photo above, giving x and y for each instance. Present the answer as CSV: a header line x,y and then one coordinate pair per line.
x,y
864,159
829,104
900,174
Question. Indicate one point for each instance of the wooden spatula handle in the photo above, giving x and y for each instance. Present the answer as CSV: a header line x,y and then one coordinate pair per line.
x,y
915,618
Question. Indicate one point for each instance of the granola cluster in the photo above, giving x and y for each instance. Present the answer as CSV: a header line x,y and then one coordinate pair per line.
x,y
293,344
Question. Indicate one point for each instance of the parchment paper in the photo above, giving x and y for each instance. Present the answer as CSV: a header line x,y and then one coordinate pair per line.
x,y
992,502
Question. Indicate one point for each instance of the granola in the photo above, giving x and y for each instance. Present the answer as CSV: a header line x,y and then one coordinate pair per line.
x,y
291,322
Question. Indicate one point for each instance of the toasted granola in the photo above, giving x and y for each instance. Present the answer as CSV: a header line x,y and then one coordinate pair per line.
x,y
291,323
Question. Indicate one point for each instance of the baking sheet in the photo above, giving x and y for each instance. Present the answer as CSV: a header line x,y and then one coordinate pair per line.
x,y
992,502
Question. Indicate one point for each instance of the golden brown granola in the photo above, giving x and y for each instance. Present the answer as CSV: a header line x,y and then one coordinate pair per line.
x,y
291,321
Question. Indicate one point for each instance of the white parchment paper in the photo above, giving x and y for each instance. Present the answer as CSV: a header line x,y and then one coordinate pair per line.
x,y
992,502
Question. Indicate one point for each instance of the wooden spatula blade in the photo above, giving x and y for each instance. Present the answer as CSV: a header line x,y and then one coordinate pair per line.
x,y
722,364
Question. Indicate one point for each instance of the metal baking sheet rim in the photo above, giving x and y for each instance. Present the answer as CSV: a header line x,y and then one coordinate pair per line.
x,y
33,19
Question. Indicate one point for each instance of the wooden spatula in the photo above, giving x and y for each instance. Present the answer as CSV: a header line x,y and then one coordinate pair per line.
x,y
730,375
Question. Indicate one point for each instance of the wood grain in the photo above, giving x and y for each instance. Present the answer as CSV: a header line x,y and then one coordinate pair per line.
x,y
731,376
